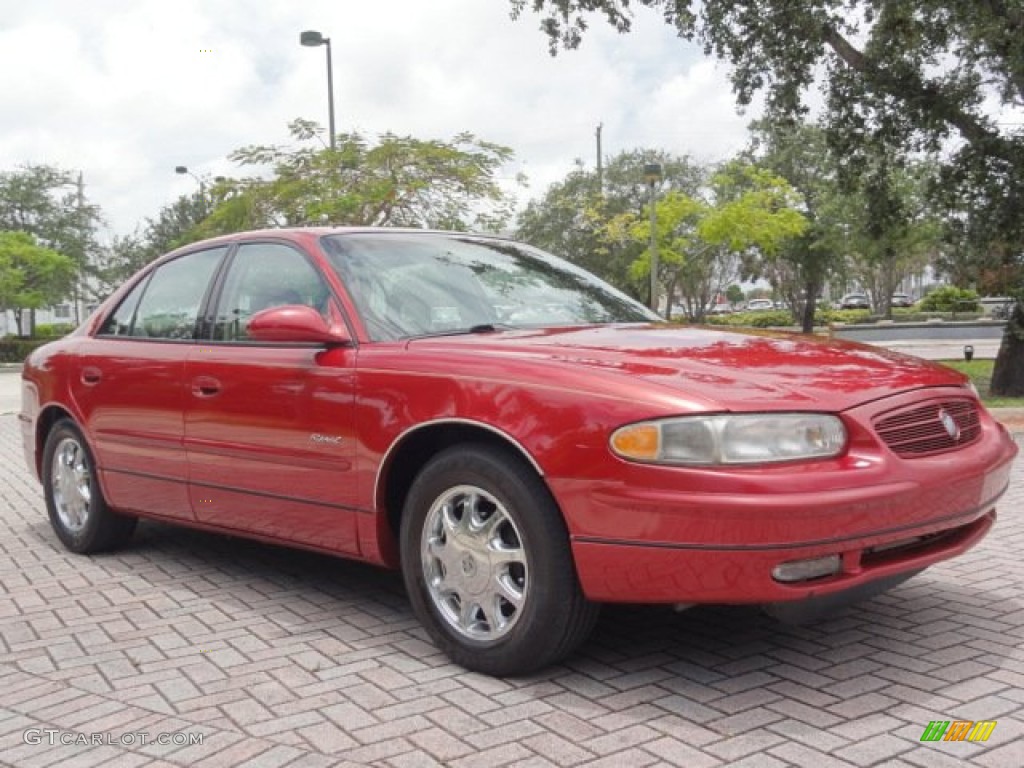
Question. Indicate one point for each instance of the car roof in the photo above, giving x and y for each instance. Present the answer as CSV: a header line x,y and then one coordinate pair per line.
x,y
307,233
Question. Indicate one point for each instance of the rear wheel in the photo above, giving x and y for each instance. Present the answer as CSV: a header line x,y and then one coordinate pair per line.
x,y
78,512
486,561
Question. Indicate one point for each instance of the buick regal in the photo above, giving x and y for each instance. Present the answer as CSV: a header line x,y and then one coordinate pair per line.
x,y
523,441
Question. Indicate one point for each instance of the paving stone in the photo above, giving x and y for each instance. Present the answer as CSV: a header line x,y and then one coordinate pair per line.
x,y
284,658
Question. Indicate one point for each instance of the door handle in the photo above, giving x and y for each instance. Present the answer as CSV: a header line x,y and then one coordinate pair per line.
x,y
205,386
91,375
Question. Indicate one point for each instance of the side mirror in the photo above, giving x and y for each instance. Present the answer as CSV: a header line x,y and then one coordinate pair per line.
x,y
295,323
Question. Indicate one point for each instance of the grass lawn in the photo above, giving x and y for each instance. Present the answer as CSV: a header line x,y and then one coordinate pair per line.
x,y
980,372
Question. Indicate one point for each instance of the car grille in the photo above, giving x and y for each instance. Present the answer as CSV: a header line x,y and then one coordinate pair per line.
x,y
933,427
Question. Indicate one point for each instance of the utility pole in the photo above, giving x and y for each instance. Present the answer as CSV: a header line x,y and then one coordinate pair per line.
x,y
82,253
600,163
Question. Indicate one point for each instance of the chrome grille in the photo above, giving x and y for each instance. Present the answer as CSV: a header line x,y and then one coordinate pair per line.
x,y
924,428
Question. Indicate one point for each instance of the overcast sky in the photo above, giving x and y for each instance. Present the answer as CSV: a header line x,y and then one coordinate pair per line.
x,y
125,90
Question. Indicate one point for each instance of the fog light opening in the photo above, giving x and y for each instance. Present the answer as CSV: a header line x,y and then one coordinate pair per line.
x,y
807,570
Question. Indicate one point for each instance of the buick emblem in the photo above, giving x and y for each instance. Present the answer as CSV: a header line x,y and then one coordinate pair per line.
x,y
952,428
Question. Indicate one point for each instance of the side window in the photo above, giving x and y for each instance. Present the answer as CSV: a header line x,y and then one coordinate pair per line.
x,y
264,275
119,322
169,306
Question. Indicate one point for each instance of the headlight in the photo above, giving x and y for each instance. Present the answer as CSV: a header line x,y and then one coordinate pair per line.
x,y
755,438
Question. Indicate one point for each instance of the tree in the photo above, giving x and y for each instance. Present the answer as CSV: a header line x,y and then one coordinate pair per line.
x,y
400,181
31,276
801,267
572,216
176,224
49,204
897,229
917,74
702,240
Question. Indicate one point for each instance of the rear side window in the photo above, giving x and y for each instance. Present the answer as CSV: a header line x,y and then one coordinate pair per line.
x,y
166,306
119,323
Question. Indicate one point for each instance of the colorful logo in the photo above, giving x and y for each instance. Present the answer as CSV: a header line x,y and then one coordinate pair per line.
x,y
958,730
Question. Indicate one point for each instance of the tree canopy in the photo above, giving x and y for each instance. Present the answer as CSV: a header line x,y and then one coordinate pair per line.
x,y
570,219
741,214
31,276
915,75
397,181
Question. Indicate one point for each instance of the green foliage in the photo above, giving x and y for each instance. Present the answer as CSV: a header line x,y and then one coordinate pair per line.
x,y
949,298
909,73
849,316
571,218
399,181
779,318
52,330
16,350
31,276
44,202
701,238
900,77
772,319
122,258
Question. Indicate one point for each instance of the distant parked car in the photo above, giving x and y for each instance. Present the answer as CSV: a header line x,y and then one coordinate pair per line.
x,y
901,300
855,301
759,305
720,309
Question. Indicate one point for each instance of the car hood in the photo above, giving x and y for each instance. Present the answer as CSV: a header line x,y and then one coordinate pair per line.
x,y
730,370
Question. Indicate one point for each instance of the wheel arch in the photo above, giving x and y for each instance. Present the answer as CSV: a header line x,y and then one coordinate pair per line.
x,y
49,416
410,452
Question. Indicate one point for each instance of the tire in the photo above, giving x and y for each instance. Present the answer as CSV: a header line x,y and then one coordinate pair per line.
x,y
487,564
78,512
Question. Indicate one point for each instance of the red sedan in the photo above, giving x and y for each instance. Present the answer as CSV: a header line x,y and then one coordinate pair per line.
x,y
522,440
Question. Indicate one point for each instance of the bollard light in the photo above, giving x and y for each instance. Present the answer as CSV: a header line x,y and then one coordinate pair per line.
x,y
968,352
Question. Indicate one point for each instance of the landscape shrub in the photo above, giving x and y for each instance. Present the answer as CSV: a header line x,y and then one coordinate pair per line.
x,y
949,298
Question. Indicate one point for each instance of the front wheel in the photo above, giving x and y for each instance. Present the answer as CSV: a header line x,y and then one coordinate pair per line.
x,y
486,562
78,512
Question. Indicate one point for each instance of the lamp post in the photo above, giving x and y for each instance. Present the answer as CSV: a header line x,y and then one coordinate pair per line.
x,y
311,38
181,170
652,174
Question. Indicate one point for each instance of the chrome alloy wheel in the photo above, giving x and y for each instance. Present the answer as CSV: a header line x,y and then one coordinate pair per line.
x,y
474,563
72,487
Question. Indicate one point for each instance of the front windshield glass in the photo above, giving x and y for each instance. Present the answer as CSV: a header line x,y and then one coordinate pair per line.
x,y
421,284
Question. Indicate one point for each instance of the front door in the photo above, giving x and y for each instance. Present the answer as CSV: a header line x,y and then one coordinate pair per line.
x,y
269,427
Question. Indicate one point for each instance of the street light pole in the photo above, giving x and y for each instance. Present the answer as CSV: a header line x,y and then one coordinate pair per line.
x,y
182,170
652,173
311,38
80,211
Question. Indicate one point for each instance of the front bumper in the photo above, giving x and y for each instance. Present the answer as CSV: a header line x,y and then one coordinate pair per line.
x,y
644,573
647,534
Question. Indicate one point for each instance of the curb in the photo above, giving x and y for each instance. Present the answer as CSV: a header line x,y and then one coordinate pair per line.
x,y
1011,418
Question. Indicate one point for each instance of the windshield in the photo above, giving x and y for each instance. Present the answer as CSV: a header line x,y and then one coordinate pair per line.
x,y
420,284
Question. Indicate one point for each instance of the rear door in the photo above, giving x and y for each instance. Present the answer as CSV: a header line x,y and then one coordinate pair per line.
x,y
269,426
130,386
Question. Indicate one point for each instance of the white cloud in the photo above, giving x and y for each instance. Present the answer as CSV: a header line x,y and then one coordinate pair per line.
x,y
126,90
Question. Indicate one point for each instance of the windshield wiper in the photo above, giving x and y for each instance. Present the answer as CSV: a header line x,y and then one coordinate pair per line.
x,y
490,328
473,329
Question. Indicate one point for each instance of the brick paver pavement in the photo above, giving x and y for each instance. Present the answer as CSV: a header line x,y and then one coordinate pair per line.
x,y
282,658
